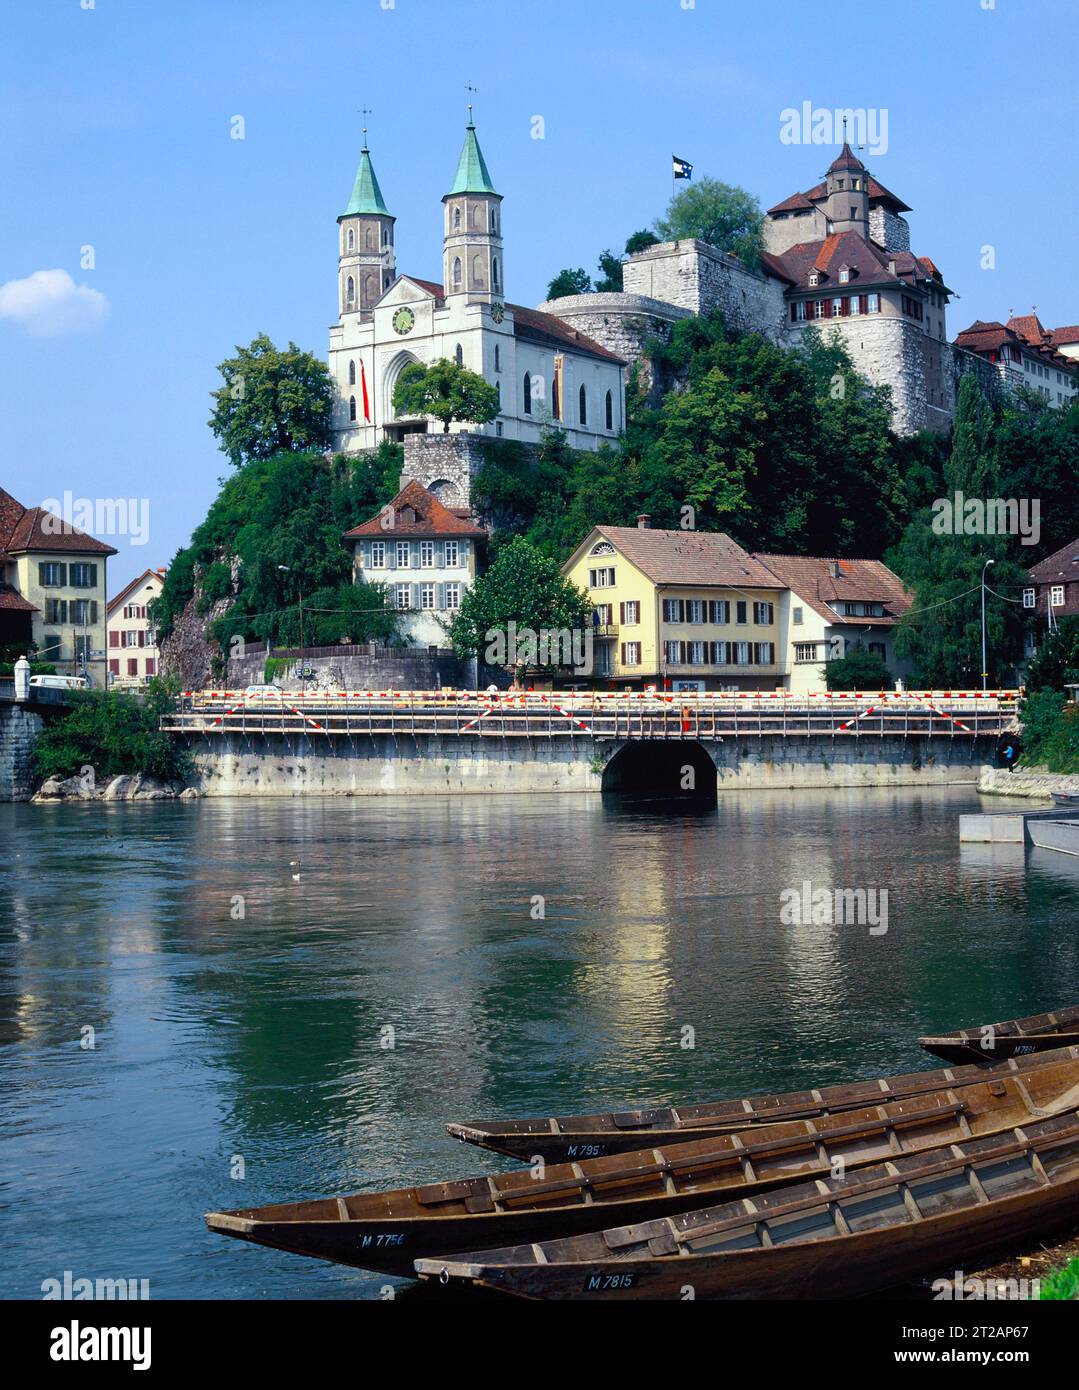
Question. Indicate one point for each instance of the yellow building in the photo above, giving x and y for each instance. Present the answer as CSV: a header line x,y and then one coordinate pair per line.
x,y
52,589
681,610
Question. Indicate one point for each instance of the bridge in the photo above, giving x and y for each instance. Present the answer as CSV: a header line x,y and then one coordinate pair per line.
x,y
597,715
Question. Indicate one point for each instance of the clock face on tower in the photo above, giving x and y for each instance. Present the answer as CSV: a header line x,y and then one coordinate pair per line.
x,y
498,312
404,320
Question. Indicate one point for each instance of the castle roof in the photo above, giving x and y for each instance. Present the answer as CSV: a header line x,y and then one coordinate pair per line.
x,y
366,194
472,175
687,557
415,512
1029,326
802,201
24,529
815,580
846,159
990,336
1061,336
868,263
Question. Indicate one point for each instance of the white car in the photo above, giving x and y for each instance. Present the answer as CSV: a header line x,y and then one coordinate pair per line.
x,y
59,682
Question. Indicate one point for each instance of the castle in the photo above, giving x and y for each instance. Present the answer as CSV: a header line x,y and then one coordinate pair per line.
x,y
836,257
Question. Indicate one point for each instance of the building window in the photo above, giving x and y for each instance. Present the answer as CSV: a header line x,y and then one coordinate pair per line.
x,y
674,653
456,218
151,666
352,407
741,653
80,616
796,616
837,308
720,653
528,393
48,574
56,612
456,272
798,311
582,406
498,393
351,239
856,304
1028,598
1056,595
805,651
601,579
631,612
449,558
352,373
764,653
764,614
674,610
818,308
844,277
402,558
695,653
741,612
453,597
427,554
814,279
83,576
494,273
402,595
694,610
498,357
350,292
378,555
631,653
876,649
459,355
872,304
719,611
609,411
427,596
133,666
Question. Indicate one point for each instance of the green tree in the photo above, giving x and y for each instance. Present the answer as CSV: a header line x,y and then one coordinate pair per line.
x,y
116,734
610,281
522,586
272,401
568,282
640,241
446,391
1057,661
721,214
858,670
941,634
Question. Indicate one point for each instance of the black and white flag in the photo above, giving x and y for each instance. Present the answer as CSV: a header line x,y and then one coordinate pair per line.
x,y
682,168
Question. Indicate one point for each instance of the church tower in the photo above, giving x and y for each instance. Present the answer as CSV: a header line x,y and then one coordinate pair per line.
x,y
472,240
846,205
366,257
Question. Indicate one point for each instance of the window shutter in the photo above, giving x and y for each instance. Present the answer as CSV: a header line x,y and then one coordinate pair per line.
x,y
93,576
440,596
41,574
622,619
93,614
114,638
415,595
63,574
142,638
391,555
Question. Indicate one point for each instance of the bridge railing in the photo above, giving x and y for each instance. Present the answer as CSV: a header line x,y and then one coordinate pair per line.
x,y
597,715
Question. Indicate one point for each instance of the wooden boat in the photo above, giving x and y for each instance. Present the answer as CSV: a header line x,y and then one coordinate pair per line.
x,y
870,1229
386,1231
1065,798
1019,1037
574,1137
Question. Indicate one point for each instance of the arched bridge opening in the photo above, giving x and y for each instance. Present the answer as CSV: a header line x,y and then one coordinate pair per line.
x,y
676,768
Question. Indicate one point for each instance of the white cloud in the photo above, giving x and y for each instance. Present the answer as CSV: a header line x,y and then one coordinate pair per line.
x,y
48,304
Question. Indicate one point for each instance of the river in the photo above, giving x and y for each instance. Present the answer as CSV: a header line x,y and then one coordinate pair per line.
x,y
191,992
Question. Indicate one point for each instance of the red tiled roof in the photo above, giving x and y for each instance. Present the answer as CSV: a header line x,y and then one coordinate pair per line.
x,y
811,578
136,583
1062,564
846,159
1060,336
22,528
11,601
983,336
877,194
429,518
689,557
432,287
1028,326
870,264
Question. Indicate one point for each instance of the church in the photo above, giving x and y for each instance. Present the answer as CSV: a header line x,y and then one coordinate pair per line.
x,y
544,370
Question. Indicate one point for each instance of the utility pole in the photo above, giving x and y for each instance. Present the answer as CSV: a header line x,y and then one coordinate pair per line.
x,y
985,664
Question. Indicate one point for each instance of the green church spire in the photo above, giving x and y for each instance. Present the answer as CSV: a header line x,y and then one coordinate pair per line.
x,y
366,194
472,175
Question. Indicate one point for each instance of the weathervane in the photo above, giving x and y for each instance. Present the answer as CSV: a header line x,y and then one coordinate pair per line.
x,y
469,88
365,111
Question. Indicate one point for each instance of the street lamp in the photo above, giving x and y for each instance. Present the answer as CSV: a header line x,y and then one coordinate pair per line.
x,y
287,569
985,671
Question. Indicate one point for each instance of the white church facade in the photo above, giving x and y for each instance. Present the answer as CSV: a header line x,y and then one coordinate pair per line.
x,y
545,370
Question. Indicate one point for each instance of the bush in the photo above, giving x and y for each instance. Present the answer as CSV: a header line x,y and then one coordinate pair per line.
x,y
116,734
858,670
1050,732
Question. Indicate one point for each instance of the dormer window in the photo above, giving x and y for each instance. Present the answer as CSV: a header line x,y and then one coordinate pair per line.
x,y
844,276
814,279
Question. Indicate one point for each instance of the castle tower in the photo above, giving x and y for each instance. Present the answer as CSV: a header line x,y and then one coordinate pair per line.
x,y
472,239
366,257
847,203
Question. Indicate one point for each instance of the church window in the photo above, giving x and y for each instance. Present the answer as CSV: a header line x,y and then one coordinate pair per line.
x,y
582,406
350,292
528,393
456,218
477,271
494,273
385,236
351,239
459,355
367,238
369,284
610,411
352,407
457,272
498,357
352,373
498,393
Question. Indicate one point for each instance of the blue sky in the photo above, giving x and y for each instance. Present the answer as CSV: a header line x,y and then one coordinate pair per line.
x,y
115,134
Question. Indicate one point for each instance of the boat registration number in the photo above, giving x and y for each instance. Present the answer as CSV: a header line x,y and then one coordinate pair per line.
x,y
602,1283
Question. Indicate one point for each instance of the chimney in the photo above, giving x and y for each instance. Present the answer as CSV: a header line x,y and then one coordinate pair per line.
x,y
837,573
644,521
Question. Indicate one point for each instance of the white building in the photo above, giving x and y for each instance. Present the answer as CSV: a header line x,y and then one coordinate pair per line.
x,y
426,555
133,655
545,370
829,608
1026,354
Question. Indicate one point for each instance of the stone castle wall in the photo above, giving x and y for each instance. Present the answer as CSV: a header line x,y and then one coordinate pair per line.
x,y
889,230
624,323
692,275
